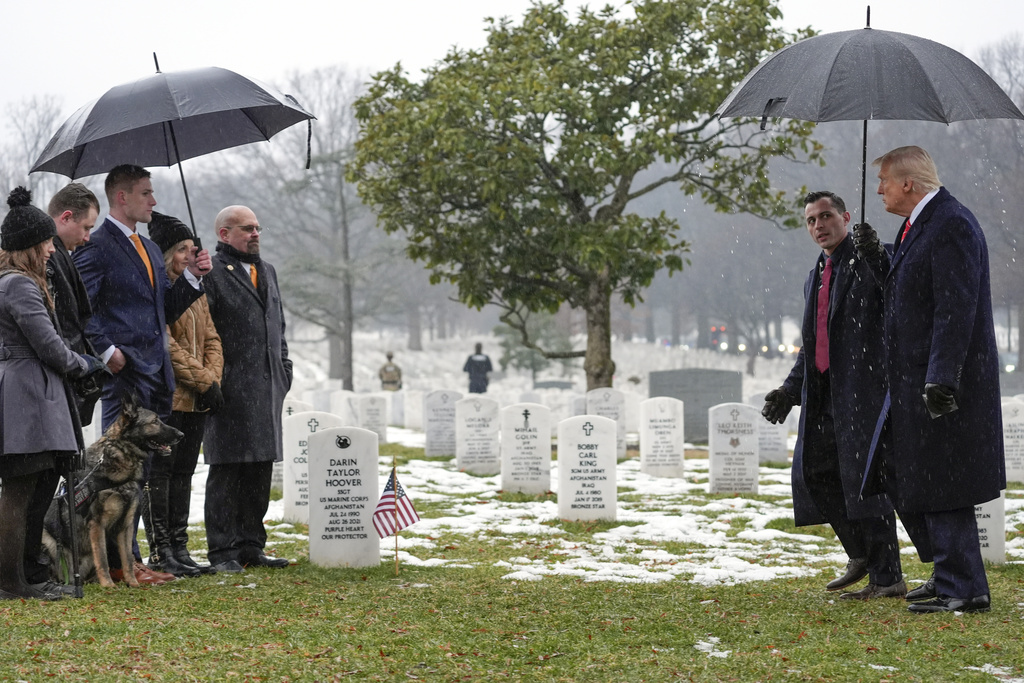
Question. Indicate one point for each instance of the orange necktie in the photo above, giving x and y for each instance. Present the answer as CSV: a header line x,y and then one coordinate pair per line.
x,y
252,274
139,247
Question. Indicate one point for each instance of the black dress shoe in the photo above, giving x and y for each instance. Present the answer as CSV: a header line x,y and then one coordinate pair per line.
x,y
182,556
947,604
262,560
872,591
856,569
925,591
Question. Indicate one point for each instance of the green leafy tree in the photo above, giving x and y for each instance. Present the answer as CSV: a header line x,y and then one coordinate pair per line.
x,y
543,331
510,168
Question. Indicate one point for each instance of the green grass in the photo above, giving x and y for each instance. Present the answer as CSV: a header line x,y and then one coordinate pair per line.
x,y
470,623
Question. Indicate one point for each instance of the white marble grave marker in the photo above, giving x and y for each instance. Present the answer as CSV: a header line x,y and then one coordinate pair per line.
x,y
439,422
413,409
586,468
991,517
372,414
526,448
1013,440
343,489
476,436
397,409
294,405
295,431
610,403
578,405
733,448
773,440
662,446
342,403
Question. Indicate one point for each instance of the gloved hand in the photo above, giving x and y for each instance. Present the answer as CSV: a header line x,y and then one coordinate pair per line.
x,y
866,242
777,405
212,399
94,367
939,399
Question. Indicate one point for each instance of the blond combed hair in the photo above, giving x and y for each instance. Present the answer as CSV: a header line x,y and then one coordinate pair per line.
x,y
911,163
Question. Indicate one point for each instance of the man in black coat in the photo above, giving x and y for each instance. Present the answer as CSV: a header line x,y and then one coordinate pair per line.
x,y
839,380
243,438
74,210
941,419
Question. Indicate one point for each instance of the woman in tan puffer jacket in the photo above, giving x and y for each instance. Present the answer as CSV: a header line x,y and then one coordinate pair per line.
x,y
198,362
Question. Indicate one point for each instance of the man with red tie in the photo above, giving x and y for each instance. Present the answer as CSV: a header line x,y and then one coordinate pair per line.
x,y
132,301
940,428
838,380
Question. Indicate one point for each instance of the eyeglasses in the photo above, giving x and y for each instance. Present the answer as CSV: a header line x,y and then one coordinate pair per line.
x,y
250,229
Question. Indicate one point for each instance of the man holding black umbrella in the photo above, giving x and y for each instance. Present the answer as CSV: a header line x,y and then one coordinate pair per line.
x,y
942,416
132,302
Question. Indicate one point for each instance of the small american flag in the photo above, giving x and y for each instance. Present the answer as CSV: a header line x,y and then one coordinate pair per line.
x,y
384,515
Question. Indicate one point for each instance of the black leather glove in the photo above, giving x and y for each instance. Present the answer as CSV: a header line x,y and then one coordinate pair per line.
x,y
939,399
212,399
93,367
866,242
777,405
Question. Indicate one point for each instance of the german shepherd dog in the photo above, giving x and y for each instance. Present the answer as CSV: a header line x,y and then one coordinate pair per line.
x,y
110,481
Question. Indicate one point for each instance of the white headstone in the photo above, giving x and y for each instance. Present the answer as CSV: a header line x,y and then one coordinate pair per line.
x,y
526,448
586,468
295,431
343,489
631,405
397,414
662,445
1013,440
413,409
294,405
320,399
991,517
772,440
476,436
578,406
439,422
372,414
530,397
610,403
733,448
342,404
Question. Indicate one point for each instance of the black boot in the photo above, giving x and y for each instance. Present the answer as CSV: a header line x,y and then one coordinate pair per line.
x,y
15,496
170,564
178,502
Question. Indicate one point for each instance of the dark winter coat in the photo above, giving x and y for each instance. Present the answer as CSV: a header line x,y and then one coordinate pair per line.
x,y
257,371
939,329
34,361
856,376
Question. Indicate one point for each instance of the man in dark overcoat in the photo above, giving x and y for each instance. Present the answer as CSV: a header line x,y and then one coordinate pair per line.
x,y
942,416
838,379
243,438
74,210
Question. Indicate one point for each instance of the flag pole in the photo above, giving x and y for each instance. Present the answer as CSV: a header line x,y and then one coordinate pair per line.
x,y
394,491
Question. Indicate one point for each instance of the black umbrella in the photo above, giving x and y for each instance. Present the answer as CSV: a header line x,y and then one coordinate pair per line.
x,y
166,118
868,74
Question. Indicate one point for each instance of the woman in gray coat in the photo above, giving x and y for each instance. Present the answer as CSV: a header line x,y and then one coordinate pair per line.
x,y
36,425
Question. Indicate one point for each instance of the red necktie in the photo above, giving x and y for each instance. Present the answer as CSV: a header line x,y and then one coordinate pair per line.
x,y
906,229
821,330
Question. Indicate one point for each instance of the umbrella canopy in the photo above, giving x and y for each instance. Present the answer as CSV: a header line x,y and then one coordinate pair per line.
x,y
166,118
868,74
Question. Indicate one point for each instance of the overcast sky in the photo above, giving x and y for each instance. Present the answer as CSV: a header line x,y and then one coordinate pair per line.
x,y
76,50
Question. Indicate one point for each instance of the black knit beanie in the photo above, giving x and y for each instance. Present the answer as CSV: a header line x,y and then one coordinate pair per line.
x,y
167,231
25,226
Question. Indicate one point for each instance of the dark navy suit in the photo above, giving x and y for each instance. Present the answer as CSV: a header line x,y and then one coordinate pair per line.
x,y
131,314
839,410
939,329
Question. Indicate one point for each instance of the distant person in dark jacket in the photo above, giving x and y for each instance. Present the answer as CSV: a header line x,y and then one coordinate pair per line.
x,y
390,375
478,365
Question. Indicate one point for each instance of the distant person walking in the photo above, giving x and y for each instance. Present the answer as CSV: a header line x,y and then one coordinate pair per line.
x,y
478,366
390,375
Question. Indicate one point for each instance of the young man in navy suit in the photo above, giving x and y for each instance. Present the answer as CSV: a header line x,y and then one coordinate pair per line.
x,y
132,301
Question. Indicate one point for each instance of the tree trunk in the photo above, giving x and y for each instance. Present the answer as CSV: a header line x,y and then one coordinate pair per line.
x,y
347,317
412,322
598,364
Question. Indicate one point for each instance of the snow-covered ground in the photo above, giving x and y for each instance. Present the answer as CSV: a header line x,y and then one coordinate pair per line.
x,y
656,512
